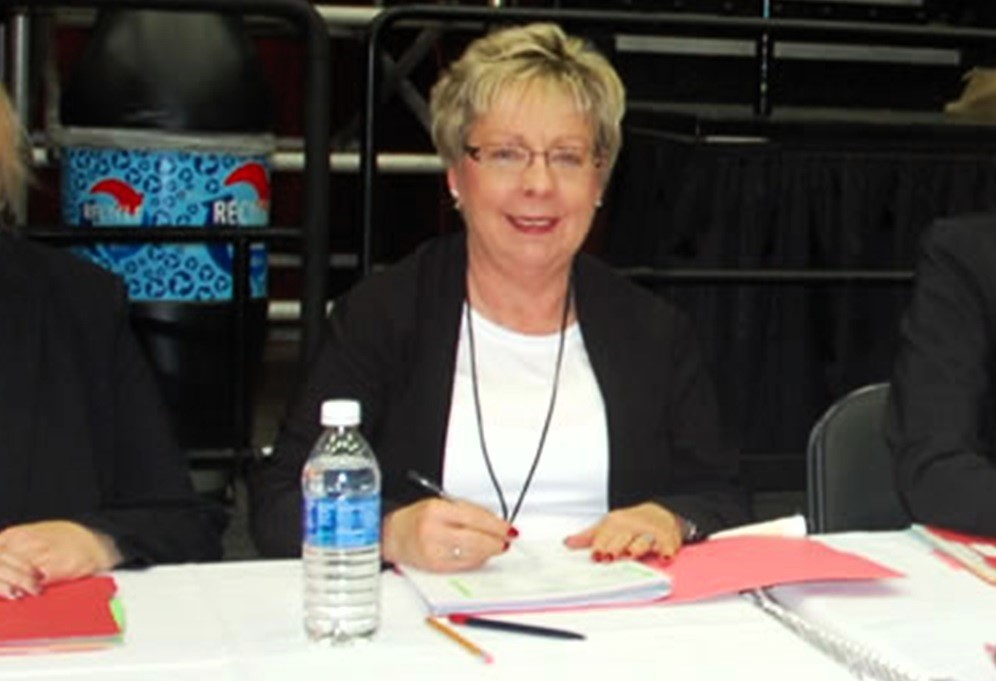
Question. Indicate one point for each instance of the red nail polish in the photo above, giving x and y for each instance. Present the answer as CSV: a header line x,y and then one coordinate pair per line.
x,y
504,548
512,532
597,556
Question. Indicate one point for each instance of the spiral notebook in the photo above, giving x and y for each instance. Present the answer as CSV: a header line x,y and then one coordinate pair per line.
x,y
936,623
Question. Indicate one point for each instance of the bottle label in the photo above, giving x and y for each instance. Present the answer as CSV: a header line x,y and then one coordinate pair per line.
x,y
344,523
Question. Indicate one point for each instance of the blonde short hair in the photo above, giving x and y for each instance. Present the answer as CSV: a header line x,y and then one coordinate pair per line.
x,y
523,55
12,146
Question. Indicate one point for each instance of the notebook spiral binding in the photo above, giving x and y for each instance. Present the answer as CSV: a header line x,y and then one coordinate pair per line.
x,y
861,661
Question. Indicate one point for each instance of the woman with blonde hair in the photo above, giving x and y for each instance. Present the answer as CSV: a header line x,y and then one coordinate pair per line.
x,y
12,169
91,476
548,395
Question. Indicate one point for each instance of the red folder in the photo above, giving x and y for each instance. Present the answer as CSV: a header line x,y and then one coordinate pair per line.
x,y
79,610
732,564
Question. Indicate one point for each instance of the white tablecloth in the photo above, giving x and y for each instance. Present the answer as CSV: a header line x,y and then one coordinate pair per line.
x,y
243,621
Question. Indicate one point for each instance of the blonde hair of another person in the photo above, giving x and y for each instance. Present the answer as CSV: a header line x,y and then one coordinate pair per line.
x,y
12,148
519,56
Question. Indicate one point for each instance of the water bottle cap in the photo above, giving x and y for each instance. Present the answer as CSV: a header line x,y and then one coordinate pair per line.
x,y
340,413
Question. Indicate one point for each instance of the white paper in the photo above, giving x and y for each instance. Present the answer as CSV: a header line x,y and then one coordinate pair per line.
x,y
539,576
788,526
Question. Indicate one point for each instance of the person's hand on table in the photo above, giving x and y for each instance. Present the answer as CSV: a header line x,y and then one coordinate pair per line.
x,y
35,554
632,532
17,576
444,536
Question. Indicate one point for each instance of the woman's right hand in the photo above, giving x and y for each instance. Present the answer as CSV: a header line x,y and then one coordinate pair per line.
x,y
39,553
18,577
444,536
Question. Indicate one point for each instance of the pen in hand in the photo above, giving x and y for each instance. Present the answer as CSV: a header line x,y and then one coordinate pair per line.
x,y
428,485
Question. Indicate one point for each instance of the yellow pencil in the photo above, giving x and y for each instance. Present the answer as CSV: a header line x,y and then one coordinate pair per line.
x,y
467,645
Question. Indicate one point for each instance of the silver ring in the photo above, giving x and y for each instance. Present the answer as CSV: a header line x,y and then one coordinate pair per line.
x,y
648,537
456,552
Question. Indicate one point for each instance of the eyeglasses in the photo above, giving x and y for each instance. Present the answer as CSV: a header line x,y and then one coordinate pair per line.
x,y
511,158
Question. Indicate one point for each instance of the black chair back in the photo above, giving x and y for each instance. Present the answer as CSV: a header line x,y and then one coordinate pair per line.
x,y
850,480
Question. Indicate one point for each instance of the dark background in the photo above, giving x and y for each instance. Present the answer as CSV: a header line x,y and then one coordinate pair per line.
x,y
851,165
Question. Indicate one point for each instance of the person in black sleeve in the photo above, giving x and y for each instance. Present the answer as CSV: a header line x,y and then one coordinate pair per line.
x,y
941,418
548,395
90,475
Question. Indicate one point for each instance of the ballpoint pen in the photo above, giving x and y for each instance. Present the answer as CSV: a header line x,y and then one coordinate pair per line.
x,y
514,627
428,485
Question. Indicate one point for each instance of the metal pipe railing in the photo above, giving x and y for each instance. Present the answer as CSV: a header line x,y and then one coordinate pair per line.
x,y
764,30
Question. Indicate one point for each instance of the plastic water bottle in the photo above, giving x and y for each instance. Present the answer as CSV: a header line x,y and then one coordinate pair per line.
x,y
341,539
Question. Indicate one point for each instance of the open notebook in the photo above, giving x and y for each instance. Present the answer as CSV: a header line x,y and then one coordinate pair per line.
x,y
543,575
539,576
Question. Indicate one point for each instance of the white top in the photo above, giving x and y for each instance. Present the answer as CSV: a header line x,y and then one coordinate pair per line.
x,y
515,373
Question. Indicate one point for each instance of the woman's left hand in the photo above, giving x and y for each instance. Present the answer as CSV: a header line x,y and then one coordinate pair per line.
x,y
59,549
632,532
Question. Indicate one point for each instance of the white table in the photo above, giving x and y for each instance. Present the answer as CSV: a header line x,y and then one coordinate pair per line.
x,y
242,621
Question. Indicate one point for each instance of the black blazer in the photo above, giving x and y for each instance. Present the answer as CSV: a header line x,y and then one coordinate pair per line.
x,y
84,434
391,343
941,416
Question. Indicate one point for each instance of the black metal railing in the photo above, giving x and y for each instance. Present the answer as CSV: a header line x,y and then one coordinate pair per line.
x,y
766,32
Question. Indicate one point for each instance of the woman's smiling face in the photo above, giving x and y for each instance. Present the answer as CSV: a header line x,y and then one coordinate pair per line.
x,y
529,183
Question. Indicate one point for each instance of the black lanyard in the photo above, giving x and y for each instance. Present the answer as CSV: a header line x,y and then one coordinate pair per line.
x,y
546,422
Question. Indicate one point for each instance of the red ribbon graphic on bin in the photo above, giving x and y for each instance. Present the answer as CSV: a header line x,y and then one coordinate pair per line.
x,y
253,174
128,200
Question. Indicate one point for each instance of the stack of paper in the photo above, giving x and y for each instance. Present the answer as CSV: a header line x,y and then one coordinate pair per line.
x,y
75,615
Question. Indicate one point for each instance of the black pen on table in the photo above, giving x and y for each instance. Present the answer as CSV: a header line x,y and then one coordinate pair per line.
x,y
515,627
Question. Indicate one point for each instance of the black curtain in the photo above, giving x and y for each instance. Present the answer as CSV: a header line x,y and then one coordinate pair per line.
x,y
782,352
